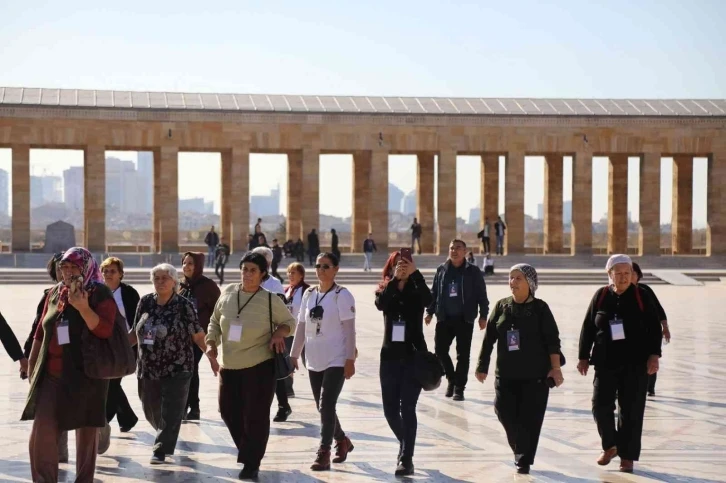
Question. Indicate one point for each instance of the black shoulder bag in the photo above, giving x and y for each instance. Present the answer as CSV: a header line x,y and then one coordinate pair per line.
x,y
283,365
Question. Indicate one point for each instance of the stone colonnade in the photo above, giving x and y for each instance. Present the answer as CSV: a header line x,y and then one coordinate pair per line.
x,y
370,140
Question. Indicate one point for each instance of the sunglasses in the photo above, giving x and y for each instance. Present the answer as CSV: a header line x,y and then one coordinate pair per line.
x,y
323,266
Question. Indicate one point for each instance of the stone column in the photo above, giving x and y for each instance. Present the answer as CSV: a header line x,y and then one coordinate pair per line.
x,y
649,218
310,205
446,206
166,199
514,203
682,214
94,198
581,230
489,196
378,207
618,204
716,203
361,200
294,196
21,198
425,199
236,197
553,203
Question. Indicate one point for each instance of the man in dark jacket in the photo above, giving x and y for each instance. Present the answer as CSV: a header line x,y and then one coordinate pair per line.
x,y
276,259
459,295
12,346
313,246
211,240
221,256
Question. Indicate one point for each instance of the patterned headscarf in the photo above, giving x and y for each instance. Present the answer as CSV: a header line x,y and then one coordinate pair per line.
x,y
615,260
529,273
88,265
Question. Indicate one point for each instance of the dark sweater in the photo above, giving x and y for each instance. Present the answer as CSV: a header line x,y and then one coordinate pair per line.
x,y
661,312
409,305
472,293
539,337
642,329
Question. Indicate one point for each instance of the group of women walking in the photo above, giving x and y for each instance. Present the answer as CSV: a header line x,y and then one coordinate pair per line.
x,y
242,328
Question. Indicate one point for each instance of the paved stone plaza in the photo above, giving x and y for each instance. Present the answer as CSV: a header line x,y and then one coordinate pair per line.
x,y
684,437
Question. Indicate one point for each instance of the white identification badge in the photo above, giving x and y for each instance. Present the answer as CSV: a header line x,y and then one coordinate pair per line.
x,y
149,335
398,331
235,331
453,290
289,307
62,333
616,329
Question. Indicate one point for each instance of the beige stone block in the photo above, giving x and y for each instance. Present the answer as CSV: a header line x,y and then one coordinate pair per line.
x,y
310,208
489,196
682,212
21,198
166,199
94,198
649,218
378,207
361,199
553,174
618,203
716,210
446,200
294,196
581,230
425,199
514,203
236,197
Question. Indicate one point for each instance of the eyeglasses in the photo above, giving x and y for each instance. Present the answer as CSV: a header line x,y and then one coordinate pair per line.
x,y
323,266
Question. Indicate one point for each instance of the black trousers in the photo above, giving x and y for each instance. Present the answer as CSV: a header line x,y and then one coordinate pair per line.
x,y
326,386
446,332
651,382
486,241
273,271
520,406
627,385
284,386
245,397
117,405
164,402
400,392
219,272
193,400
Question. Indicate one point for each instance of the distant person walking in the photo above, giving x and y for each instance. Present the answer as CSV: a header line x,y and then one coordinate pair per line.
x,y
211,240
369,246
299,250
485,236
416,231
276,259
313,246
221,256
499,230
334,243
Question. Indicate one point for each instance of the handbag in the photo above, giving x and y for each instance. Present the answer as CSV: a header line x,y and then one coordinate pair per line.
x,y
427,370
110,358
283,365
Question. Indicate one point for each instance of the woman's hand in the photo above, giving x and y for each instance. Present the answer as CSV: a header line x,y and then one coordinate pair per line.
x,y
23,368
277,343
556,374
582,366
400,271
481,376
653,365
349,368
78,299
215,365
211,350
666,333
293,361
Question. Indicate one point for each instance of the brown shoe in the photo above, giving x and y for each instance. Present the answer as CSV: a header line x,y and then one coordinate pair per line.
x,y
322,460
342,448
626,466
607,456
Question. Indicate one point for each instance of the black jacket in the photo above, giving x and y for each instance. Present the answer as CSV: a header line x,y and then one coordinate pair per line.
x,y
130,298
10,342
474,293
409,305
641,326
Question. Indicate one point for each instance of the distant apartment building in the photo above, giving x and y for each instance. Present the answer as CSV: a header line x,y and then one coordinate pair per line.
x,y
73,188
266,205
4,193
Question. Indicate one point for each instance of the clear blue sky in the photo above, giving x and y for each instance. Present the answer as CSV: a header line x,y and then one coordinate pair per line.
x,y
666,48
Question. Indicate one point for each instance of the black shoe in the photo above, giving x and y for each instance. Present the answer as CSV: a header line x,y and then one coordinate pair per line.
x,y
651,393
249,473
126,429
449,390
404,468
282,415
158,458
523,470
192,415
458,394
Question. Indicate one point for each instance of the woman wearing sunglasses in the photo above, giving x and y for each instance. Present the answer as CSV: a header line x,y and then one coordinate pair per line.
x,y
326,329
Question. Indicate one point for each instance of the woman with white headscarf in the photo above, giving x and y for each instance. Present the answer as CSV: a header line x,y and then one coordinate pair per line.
x,y
528,362
621,337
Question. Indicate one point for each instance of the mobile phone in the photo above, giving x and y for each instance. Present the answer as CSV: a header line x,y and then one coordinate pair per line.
x,y
406,254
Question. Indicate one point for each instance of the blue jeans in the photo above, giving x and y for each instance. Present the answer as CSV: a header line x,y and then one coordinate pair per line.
x,y
500,244
210,256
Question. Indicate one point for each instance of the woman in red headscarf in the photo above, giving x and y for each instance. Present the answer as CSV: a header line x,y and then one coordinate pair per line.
x,y
79,305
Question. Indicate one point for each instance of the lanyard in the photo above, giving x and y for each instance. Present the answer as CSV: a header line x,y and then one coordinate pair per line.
x,y
317,302
239,310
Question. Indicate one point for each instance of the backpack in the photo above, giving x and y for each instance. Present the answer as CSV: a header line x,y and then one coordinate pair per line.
x,y
604,293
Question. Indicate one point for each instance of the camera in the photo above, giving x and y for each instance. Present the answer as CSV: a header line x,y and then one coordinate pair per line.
x,y
316,312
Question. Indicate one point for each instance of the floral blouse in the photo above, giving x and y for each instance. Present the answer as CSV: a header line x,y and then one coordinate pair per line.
x,y
164,334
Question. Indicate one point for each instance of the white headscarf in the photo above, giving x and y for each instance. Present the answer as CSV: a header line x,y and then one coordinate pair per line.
x,y
614,260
